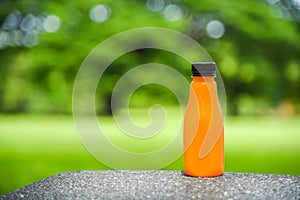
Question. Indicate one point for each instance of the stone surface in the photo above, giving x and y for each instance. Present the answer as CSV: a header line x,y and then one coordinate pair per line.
x,y
158,184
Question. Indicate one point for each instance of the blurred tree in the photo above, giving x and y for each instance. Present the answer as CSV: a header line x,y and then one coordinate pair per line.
x,y
256,49
255,44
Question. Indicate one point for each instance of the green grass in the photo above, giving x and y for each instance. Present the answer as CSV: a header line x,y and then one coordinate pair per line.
x,y
33,147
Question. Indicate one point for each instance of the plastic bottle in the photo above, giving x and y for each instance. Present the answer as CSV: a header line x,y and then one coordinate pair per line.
x,y
203,125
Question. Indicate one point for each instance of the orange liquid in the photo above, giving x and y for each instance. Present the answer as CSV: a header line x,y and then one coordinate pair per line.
x,y
203,130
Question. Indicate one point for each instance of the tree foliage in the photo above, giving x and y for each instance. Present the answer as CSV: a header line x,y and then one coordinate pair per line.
x,y
258,54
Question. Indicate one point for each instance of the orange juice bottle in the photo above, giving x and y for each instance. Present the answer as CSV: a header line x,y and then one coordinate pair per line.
x,y
203,125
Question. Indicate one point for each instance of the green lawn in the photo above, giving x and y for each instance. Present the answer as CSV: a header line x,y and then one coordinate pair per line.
x,y
33,147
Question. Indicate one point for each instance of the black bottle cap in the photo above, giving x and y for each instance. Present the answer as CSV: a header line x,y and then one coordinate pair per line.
x,y
204,69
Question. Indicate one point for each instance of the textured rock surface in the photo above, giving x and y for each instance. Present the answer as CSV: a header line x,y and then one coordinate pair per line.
x,y
158,184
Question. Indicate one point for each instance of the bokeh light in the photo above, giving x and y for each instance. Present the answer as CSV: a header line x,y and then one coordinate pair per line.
x,y
155,5
51,23
29,40
23,29
16,37
4,39
173,12
215,29
28,23
99,13
12,21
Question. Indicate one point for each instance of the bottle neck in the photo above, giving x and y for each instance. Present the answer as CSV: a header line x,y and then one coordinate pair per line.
x,y
203,79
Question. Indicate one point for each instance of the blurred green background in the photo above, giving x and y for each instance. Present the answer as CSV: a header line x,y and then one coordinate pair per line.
x,y
256,45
